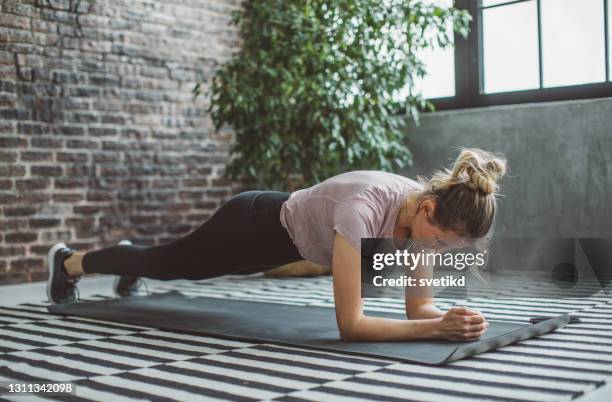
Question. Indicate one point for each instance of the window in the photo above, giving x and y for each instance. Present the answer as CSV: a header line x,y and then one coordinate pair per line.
x,y
440,79
573,42
510,62
524,51
440,65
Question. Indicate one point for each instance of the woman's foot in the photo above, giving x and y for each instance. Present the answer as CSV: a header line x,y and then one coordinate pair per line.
x,y
61,287
126,286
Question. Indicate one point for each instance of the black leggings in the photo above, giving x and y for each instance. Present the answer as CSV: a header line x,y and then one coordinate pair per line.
x,y
243,236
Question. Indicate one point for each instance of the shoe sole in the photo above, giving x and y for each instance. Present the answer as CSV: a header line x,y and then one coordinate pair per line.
x,y
117,277
52,268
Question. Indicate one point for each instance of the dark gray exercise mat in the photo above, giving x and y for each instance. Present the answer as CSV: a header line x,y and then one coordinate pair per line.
x,y
306,326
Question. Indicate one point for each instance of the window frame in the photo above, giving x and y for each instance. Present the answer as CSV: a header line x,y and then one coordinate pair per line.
x,y
469,69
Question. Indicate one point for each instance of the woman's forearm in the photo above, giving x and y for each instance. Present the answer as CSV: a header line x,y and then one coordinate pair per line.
x,y
424,311
373,329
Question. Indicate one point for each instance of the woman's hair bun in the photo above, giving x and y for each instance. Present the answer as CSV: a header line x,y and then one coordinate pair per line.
x,y
479,169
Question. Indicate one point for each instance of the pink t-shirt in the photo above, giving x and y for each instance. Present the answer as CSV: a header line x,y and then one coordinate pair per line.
x,y
357,204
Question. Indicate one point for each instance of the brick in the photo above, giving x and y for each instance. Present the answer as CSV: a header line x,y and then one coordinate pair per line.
x,y
14,21
69,183
221,182
173,170
82,144
68,30
102,131
87,209
80,170
38,274
44,26
32,128
53,210
106,158
164,196
7,127
113,119
74,104
39,249
142,219
57,235
130,196
51,171
12,170
5,185
178,207
69,130
20,237
216,193
30,198
88,233
31,156
134,133
113,170
71,157
206,205
113,146
69,198
199,171
199,218
110,221
150,207
27,264
46,143
104,80
13,142
165,183
86,117
149,229
195,182
32,184
179,228
36,223
8,156
57,4
14,277
11,251
81,245
190,195
80,222
140,158
19,211
95,196
18,9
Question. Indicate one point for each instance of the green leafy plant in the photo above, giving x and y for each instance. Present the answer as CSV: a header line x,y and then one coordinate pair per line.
x,y
316,86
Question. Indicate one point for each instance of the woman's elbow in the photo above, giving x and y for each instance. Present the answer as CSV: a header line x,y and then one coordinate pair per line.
x,y
348,335
349,331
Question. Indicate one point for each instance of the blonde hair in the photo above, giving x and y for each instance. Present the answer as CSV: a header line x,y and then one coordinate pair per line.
x,y
465,195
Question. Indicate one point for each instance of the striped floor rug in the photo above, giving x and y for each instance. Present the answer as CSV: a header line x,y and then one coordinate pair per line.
x,y
115,362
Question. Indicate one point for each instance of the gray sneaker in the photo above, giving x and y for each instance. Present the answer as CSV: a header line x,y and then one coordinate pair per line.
x,y
125,285
61,287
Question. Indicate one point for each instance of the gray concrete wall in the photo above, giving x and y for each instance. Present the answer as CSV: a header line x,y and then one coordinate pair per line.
x,y
560,162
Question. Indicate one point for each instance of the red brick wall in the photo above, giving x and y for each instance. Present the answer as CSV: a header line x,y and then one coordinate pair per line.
x,y
99,137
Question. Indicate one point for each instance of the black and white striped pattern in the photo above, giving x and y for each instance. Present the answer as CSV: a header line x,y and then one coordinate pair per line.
x,y
111,361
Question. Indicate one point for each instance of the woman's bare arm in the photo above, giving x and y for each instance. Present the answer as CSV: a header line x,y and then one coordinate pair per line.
x,y
456,324
419,301
422,309
352,323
